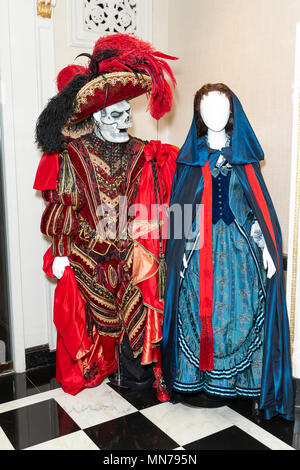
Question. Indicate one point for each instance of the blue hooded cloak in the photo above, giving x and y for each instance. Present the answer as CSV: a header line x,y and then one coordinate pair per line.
x,y
244,154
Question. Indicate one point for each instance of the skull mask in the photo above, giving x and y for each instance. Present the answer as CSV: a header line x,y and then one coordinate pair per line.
x,y
112,122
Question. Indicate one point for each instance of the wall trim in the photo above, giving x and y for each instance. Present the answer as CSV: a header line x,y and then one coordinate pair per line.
x,y
39,356
293,269
45,59
11,192
27,82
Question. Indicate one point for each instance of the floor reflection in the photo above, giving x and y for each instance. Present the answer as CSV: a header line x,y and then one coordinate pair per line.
x,y
33,424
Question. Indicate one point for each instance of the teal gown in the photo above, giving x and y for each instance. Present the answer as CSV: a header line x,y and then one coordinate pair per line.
x,y
239,282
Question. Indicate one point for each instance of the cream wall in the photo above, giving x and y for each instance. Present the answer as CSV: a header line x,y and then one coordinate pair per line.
x,y
250,46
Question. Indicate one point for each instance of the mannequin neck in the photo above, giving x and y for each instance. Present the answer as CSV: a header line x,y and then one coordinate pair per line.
x,y
216,140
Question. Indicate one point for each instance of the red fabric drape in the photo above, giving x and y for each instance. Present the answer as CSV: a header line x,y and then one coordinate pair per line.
x,y
75,350
206,274
46,175
146,248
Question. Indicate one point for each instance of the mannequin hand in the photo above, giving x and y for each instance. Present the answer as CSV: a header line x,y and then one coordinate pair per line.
x,y
268,263
58,266
257,235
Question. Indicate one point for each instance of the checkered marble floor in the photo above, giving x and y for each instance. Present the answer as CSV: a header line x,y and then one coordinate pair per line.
x,y
35,414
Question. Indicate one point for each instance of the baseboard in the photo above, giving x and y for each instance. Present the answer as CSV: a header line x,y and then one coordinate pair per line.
x,y
39,356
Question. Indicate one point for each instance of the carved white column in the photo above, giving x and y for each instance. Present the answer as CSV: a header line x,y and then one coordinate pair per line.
x,y
46,89
27,82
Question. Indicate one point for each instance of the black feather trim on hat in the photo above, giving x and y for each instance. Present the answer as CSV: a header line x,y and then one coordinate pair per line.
x,y
48,132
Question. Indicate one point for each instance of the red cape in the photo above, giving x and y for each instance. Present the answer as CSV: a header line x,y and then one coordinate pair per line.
x,y
75,350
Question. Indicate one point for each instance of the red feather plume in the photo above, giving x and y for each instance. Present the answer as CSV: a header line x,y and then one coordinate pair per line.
x,y
67,74
133,54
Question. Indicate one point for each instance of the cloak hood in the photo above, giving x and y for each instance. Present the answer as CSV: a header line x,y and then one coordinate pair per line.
x,y
244,147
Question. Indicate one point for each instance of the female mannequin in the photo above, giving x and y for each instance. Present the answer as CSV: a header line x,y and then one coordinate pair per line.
x,y
221,339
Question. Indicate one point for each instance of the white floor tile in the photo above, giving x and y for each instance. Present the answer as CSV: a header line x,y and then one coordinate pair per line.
x,y
5,443
74,441
95,406
30,400
185,424
253,429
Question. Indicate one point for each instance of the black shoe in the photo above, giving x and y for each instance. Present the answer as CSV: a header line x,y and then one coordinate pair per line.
x,y
131,373
203,400
177,397
132,384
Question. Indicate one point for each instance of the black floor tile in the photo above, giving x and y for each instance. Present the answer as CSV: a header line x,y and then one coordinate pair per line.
x,y
131,432
297,391
14,386
296,435
44,378
33,424
231,438
277,425
140,399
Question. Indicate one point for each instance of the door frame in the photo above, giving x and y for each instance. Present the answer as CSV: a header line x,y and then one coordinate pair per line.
x,y
27,73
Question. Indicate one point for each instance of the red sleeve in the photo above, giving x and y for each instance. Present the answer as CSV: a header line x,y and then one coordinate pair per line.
x,y
146,235
61,218
46,175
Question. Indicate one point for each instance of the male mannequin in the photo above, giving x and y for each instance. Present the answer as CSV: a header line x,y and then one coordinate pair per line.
x,y
83,180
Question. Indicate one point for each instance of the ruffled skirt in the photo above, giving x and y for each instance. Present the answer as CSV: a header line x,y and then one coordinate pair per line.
x,y
238,316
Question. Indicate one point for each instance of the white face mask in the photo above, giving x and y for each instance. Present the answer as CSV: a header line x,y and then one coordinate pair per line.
x,y
113,122
215,110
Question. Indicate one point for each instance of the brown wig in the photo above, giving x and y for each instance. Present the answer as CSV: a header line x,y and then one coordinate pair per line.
x,y
205,90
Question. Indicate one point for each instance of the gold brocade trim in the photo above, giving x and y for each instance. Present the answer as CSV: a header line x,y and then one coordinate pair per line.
x,y
138,352
111,335
83,256
100,83
152,336
49,220
103,319
131,180
153,308
67,180
91,198
295,240
56,217
96,292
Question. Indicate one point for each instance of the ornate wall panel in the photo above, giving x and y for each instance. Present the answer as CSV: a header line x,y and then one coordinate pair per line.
x,y
89,19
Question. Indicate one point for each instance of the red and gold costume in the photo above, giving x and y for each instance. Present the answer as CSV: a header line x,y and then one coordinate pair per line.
x,y
115,267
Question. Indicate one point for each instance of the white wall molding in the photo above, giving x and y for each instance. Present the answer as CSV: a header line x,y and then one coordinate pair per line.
x,y
87,20
27,82
45,60
11,193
